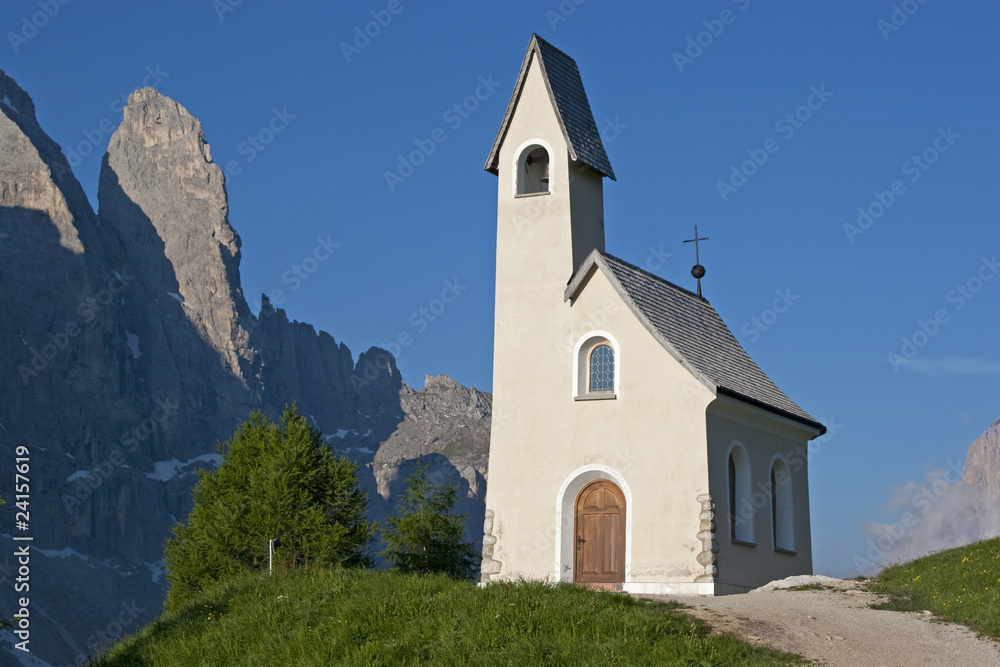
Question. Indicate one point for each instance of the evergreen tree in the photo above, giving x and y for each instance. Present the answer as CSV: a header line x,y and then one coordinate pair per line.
x,y
423,536
276,481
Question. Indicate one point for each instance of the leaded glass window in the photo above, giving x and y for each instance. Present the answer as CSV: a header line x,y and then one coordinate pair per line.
x,y
602,368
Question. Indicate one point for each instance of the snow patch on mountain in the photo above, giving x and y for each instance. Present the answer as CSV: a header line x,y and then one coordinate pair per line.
x,y
157,569
132,341
165,471
65,552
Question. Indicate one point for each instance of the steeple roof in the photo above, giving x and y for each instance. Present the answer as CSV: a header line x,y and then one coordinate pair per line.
x,y
694,334
569,100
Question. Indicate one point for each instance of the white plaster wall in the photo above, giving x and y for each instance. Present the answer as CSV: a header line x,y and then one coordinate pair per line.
x,y
763,436
651,436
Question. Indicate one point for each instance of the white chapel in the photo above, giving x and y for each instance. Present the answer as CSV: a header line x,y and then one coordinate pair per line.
x,y
635,445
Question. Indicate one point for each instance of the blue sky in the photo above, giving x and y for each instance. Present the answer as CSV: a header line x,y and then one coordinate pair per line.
x,y
888,107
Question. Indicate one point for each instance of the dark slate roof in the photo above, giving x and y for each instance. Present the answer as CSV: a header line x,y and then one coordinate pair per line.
x,y
695,334
562,80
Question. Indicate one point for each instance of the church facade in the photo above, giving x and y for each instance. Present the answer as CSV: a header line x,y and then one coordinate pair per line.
x,y
635,445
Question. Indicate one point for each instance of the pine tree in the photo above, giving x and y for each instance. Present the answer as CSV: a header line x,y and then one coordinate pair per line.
x,y
423,536
275,481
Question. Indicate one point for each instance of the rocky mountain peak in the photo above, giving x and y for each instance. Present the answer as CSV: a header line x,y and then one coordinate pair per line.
x,y
160,119
35,176
127,350
16,99
446,423
165,198
982,463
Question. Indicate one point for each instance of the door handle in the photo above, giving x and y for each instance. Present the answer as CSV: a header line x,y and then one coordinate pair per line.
x,y
579,541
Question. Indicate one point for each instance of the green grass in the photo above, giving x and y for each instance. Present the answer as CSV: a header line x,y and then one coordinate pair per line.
x,y
960,585
355,617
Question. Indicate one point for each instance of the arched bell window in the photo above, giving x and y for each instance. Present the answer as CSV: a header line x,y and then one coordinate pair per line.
x,y
533,171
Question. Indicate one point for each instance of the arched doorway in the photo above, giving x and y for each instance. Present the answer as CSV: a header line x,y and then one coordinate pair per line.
x,y
600,534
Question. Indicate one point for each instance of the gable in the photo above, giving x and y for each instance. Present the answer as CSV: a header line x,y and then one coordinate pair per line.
x,y
692,331
569,101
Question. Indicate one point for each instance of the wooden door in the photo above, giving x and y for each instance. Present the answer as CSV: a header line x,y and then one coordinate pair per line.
x,y
600,534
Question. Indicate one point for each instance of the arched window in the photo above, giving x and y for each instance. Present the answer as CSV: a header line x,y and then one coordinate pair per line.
x,y
741,509
782,511
602,368
596,367
533,171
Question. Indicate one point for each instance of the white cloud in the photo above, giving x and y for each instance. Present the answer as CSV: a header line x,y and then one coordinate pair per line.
x,y
951,366
940,512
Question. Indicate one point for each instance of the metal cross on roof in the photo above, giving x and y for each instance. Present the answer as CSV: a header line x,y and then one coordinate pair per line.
x,y
698,271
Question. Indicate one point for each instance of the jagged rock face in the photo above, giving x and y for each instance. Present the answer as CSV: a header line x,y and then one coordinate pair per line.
x,y
127,350
46,279
59,307
68,388
446,426
36,176
167,198
982,463
444,420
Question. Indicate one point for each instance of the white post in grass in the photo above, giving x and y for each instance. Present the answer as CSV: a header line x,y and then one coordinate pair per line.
x,y
271,544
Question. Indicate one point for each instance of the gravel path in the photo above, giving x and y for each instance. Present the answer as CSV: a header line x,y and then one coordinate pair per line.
x,y
836,627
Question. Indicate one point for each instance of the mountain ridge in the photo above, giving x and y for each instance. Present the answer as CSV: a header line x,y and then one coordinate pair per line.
x,y
129,350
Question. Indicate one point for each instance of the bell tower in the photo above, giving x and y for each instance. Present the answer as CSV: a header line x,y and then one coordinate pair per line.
x,y
550,165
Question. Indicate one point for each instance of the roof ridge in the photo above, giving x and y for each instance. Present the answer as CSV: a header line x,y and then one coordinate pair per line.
x,y
699,338
547,43
570,104
654,276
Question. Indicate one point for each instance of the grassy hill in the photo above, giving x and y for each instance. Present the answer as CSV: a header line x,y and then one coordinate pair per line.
x,y
961,585
355,617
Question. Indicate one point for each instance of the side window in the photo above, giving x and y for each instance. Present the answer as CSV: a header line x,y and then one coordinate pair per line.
x,y
782,511
741,509
602,368
533,171
596,367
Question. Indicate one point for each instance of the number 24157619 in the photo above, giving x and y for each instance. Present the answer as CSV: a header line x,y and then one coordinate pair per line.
x,y
22,487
